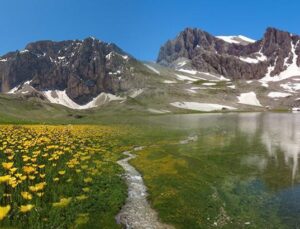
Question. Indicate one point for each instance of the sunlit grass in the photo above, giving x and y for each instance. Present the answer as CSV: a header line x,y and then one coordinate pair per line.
x,y
60,176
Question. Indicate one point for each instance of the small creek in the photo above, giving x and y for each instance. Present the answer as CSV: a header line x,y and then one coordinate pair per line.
x,y
137,212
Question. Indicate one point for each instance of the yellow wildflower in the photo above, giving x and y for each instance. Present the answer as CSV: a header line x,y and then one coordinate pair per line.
x,y
81,197
26,208
87,180
82,218
31,177
18,175
33,159
4,179
86,189
63,202
7,165
40,194
62,172
26,195
23,178
28,169
4,211
84,167
37,187
26,158
12,170
13,182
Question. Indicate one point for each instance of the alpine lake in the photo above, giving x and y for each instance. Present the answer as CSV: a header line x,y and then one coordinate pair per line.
x,y
236,170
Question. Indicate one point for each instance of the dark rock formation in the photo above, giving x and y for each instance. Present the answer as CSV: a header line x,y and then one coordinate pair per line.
x,y
83,68
211,54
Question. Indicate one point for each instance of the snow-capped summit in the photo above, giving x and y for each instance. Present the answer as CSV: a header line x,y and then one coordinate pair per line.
x,y
239,39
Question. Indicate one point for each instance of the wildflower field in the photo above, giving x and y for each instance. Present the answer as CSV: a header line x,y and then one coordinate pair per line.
x,y
60,176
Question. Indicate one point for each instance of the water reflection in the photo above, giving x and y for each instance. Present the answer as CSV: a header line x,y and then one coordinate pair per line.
x,y
280,133
250,160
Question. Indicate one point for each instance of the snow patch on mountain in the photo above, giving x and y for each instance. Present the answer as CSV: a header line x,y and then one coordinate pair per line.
x,y
136,93
169,81
14,90
111,54
236,39
192,72
275,94
217,78
249,60
292,69
61,97
260,56
181,63
209,84
291,87
183,78
24,51
201,106
156,111
152,69
19,87
191,91
249,98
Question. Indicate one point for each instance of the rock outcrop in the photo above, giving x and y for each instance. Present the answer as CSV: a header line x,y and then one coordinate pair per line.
x,y
83,68
236,60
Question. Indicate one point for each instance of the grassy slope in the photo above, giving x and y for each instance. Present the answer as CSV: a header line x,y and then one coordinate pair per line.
x,y
19,111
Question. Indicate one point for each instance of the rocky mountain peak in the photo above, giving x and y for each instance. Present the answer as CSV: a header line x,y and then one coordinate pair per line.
x,y
235,57
81,68
275,40
274,35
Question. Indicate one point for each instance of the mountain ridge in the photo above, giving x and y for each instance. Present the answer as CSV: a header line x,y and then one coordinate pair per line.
x,y
195,71
211,54
84,68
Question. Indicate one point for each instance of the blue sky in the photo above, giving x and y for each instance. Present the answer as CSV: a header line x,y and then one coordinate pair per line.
x,y
139,27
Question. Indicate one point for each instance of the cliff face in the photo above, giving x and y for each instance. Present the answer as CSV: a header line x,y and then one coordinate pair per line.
x,y
236,59
83,68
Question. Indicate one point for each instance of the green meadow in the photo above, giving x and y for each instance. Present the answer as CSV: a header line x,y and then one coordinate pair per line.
x,y
233,170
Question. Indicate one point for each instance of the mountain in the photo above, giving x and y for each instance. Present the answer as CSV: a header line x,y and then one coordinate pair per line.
x,y
194,72
74,71
277,54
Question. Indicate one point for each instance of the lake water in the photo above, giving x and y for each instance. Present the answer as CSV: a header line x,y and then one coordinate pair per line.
x,y
232,170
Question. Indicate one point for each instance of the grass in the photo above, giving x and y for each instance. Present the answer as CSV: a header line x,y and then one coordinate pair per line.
x,y
60,176
191,186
